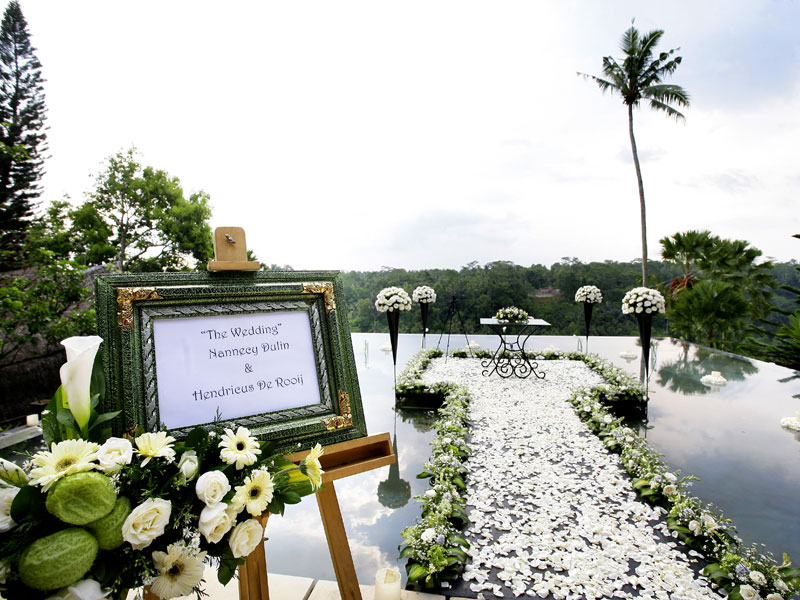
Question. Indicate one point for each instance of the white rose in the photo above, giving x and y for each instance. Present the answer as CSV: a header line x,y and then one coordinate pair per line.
x,y
669,489
215,521
188,465
430,493
87,589
781,585
757,577
748,592
670,477
114,453
774,596
245,537
695,527
146,522
212,486
428,535
709,523
6,499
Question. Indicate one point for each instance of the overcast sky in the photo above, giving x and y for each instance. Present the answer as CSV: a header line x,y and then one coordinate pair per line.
x,y
423,134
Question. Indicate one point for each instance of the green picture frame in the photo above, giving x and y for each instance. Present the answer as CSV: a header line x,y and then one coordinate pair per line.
x,y
172,332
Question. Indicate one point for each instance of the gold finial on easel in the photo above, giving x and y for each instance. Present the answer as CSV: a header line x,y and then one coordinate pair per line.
x,y
230,251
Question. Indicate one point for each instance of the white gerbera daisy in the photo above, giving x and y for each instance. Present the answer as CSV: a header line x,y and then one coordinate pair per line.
x,y
178,572
153,445
240,448
64,458
256,493
312,468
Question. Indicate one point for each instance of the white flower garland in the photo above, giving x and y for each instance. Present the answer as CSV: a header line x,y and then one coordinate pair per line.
x,y
423,294
392,298
643,300
590,294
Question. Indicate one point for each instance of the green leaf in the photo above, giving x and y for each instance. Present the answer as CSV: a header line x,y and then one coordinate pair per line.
x,y
290,497
458,553
29,501
276,507
424,475
639,483
416,572
406,552
459,483
459,539
196,437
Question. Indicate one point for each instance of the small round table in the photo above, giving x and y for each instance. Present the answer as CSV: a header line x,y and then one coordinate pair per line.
x,y
510,358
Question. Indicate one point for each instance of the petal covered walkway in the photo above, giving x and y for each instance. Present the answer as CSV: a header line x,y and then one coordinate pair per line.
x,y
553,514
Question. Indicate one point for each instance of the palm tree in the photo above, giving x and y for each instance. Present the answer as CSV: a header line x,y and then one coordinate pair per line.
x,y
685,250
640,77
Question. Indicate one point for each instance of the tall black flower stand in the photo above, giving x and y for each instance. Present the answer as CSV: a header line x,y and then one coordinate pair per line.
x,y
393,317
423,308
645,323
587,318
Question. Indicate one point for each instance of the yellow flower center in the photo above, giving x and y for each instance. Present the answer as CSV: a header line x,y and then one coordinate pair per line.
x,y
65,463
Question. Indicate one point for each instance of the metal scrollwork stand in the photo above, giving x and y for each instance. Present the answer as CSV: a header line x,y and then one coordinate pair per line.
x,y
510,359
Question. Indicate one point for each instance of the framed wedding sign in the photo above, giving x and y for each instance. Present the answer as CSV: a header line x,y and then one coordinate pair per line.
x,y
267,350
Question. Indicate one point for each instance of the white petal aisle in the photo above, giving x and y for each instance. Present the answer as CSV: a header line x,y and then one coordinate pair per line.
x,y
552,512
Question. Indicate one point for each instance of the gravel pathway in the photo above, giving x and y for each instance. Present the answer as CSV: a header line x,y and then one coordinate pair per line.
x,y
553,514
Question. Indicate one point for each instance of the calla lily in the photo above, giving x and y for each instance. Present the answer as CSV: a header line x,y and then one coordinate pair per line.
x,y
12,474
76,376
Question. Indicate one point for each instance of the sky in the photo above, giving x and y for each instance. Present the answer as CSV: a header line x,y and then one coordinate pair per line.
x,y
429,134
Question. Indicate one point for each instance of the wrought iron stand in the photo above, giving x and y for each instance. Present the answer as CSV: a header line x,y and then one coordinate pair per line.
x,y
510,358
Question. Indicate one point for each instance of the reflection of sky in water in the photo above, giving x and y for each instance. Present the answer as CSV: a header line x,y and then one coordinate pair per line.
x,y
729,437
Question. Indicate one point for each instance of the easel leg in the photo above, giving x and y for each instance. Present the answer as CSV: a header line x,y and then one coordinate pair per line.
x,y
338,545
253,573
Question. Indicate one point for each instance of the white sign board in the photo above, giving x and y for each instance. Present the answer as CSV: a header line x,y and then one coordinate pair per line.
x,y
241,365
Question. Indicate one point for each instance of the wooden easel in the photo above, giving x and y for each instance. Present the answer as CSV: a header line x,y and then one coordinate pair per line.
x,y
338,461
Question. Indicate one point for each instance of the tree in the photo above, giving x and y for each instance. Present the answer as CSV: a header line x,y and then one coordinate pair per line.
x,y
685,250
640,77
22,136
136,217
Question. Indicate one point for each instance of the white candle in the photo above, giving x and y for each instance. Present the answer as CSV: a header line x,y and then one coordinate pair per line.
x,y
387,585
32,420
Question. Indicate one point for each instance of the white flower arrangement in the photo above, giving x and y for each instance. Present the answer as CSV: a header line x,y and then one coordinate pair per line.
x,y
511,314
391,299
643,300
715,378
423,294
590,294
791,423
137,504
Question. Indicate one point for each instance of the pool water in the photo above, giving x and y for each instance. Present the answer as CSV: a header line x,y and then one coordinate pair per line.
x,y
729,436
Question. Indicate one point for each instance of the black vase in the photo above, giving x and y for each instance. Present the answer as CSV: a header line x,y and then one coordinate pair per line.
x,y
587,317
393,316
645,322
423,308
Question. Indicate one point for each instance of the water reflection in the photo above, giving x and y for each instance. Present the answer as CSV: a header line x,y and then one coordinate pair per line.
x,y
684,373
394,492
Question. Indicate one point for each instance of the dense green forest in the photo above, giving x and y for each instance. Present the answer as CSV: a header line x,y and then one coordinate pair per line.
x,y
482,289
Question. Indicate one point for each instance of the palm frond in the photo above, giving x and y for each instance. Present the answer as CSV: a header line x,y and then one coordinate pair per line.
x,y
671,112
603,84
667,93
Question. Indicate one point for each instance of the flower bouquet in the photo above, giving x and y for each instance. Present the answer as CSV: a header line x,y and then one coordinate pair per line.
x,y
511,314
391,301
95,515
643,303
424,295
589,295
